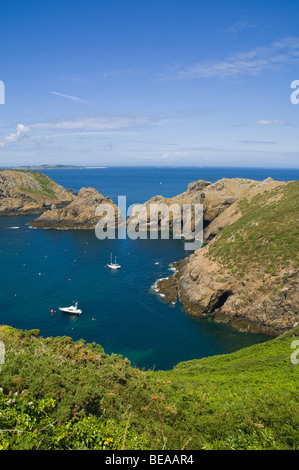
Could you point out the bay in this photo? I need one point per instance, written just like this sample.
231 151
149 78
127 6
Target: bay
42 270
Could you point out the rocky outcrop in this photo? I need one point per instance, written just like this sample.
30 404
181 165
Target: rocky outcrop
204 291
215 198
79 214
29 192
247 273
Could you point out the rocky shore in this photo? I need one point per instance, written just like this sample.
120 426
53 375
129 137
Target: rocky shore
247 273
79 214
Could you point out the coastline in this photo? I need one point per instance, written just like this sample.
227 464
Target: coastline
197 296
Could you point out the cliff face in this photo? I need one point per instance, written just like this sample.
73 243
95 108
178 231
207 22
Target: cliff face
29 192
215 198
247 274
79 214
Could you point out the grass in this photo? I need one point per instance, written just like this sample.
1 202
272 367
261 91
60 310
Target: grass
244 400
44 181
266 234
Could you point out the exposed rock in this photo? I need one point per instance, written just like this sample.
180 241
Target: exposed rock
204 291
258 292
215 198
79 214
29 192
167 289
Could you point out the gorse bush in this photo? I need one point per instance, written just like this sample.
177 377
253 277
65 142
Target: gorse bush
27 424
60 394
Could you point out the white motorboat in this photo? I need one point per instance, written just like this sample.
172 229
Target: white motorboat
72 309
114 265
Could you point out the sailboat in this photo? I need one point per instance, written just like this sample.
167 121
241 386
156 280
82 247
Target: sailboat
114 265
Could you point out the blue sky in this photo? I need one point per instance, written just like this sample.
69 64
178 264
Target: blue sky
149 82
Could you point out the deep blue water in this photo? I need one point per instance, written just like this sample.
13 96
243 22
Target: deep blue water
44 269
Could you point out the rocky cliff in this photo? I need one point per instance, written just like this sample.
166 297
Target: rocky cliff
29 192
215 198
247 273
79 214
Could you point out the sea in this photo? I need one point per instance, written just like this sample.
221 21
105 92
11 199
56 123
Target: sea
42 270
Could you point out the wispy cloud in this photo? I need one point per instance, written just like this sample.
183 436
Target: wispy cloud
72 98
20 134
255 142
85 126
253 62
103 123
275 122
265 122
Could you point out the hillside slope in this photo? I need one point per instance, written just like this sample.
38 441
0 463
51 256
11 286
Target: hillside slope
247 274
60 394
29 192
215 198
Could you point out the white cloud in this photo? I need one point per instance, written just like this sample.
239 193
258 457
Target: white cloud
72 98
265 122
20 134
102 123
251 62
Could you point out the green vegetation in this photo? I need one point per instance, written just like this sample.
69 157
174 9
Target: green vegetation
44 181
60 394
265 235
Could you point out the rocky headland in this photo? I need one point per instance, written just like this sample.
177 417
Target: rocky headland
79 214
215 198
246 274
29 192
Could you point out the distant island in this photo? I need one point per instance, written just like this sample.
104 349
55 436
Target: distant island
47 167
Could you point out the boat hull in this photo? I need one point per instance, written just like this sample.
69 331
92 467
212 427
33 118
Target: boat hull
111 266
71 312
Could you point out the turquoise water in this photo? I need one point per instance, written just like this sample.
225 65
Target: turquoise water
44 269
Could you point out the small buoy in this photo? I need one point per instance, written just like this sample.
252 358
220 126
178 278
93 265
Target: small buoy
52 311
69 279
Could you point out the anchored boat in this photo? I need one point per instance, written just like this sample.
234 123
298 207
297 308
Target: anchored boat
72 309
114 265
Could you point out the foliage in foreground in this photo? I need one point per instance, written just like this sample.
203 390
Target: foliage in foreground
60 394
